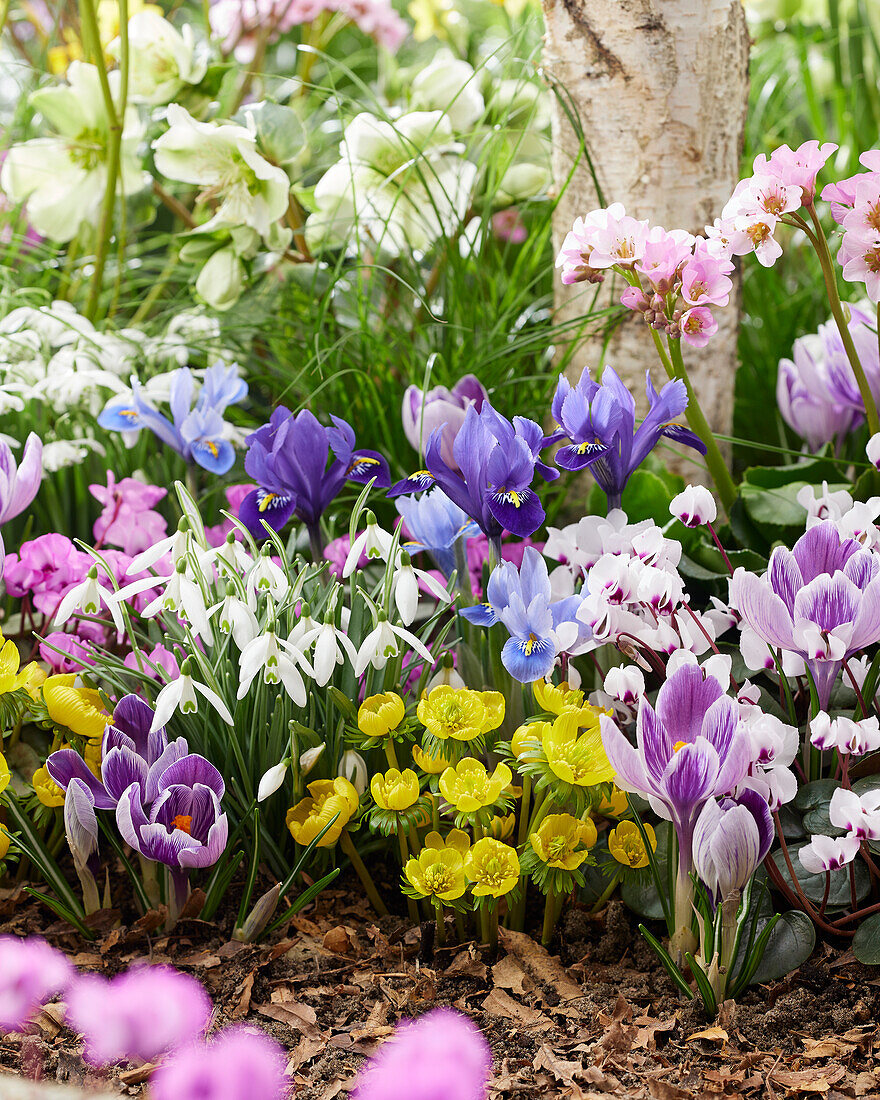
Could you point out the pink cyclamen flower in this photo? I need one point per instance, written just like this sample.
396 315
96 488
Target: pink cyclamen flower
44 569
31 972
140 1014
160 657
440 1056
508 225
239 1063
698 326
128 519
844 734
78 649
796 167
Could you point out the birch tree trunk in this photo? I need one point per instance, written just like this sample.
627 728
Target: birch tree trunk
661 89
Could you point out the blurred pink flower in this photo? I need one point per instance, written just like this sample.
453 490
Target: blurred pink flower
160 656
235 494
239 1063
128 520
44 569
508 225
30 973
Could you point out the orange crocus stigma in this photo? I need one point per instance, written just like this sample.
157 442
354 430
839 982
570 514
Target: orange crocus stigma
182 822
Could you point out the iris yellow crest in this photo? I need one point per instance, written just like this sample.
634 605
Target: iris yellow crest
469 787
492 867
563 841
625 843
395 790
328 797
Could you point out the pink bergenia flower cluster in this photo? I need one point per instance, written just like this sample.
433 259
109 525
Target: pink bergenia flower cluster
855 205
676 278
240 22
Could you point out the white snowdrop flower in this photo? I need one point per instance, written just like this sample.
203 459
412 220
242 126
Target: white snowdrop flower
447 675
405 587
331 647
89 597
310 758
352 767
62 453
271 781
236 616
268 654
267 576
180 694
383 642
373 542
183 596
174 545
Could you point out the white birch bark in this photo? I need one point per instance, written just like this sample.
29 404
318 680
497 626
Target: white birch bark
661 89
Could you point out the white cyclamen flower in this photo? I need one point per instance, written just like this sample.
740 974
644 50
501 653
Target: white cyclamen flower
63 178
222 158
694 507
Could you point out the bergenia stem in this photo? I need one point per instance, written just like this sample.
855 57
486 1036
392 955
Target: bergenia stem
824 254
115 120
714 459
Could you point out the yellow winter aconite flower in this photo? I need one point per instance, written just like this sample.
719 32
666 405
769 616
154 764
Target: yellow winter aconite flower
433 765
626 845
437 873
5 774
574 756
78 708
457 839
380 714
48 791
460 713
469 787
615 804
309 816
395 790
4 842
432 18
556 698
12 676
60 57
501 827
563 841
492 867
527 736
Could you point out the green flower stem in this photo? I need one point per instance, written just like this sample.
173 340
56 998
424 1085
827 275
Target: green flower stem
115 121
607 892
517 912
435 813
492 926
390 754
346 844
820 243
411 906
541 812
714 459
550 914
441 927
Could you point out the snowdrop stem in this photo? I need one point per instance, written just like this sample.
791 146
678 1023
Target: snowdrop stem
697 420
347 845
820 243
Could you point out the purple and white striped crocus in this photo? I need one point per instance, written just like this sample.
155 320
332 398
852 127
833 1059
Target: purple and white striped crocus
691 748
731 839
820 600
185 827
424 411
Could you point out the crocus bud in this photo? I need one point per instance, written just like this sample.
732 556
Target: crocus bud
353 767
272 780
626 684
731 838
424 412
310 758
873 450
694 507
262 912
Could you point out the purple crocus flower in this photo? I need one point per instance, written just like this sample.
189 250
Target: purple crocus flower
240 1063
496 462
140 1014
440 1056
731 839
185 827
30 973
424 411
129 754
18 483
288 460
600 422
820 600
197 432
690 748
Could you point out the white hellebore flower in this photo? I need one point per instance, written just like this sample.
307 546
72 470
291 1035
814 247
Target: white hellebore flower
271 781
63 178
163 60
401 186
383 642
222 158
180 694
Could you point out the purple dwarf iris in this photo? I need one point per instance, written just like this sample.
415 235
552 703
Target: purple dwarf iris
731 839
600 420
197 432
435 524
185 827
496 462
540 627
425 411
18 483
129 754
820 600
690 749
288 460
